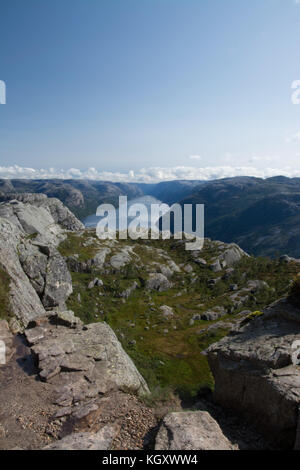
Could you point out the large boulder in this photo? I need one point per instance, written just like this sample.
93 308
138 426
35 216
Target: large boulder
195 430
100 257
232 255
256 372
122 258
159 282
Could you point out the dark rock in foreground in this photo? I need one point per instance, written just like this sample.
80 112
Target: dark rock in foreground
255 372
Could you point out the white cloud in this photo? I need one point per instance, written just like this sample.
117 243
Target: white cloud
262 158
195 157
148 175
293 137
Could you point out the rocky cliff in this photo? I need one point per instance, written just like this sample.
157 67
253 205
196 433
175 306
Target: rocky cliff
30 232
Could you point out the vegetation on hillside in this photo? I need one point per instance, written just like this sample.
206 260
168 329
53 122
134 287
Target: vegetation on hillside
169 351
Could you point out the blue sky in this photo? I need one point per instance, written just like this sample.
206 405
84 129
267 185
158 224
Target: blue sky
125 85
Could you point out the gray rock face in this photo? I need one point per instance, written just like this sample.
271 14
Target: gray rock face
34 263
28 239
82 361
255 373
232 255
120 260
100 257
191 431
27 218
48 274
58 284
24 301
101 440
60 213
159 282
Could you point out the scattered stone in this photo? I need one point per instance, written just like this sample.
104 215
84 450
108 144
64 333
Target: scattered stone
159 282
200 262
95 282
216 266
167 311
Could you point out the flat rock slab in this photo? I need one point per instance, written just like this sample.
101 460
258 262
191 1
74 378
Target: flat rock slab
87 441
82 361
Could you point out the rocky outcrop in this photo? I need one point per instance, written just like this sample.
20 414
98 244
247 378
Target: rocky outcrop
191 431
120 259
58 281
81 361
47 272
25 303
60 213
232 255
229 256
36 222
39 276
256 372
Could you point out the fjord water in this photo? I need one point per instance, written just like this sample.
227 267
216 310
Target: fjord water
92 220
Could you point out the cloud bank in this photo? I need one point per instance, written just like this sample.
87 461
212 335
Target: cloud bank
146 175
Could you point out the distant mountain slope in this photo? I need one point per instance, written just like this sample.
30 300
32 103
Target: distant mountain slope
80 196
171 191
262 216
